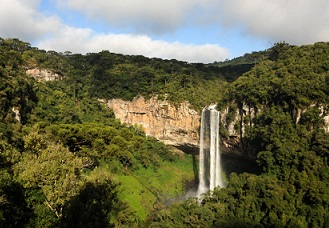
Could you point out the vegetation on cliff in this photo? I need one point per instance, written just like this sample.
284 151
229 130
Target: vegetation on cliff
66 162
291 148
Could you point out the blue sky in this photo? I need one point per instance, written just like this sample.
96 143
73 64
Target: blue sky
188 30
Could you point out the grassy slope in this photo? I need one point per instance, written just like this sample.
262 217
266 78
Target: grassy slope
146 189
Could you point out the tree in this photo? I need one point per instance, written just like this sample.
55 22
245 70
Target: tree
13 207
97 204
54 169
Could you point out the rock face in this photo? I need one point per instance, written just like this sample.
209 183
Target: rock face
43 74
173 125
234 122
326 121
17 113
179 125
232 144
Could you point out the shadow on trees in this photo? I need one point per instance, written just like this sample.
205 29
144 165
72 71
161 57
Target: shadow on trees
14 210
93 207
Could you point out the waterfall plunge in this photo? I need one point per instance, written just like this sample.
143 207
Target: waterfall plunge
209 164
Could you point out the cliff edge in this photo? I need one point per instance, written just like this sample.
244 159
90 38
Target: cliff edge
176 125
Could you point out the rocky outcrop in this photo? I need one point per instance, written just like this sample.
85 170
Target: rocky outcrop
179 125
235 122
324 112
17 113
326 121
230 120
176 125
43 75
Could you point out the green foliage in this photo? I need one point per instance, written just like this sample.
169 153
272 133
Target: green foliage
14 211
107 75
97 141
66 162
41 215
56 171
8 155
296 79
48 157
97 204
289 91
57 105
118 76
234 68
248 201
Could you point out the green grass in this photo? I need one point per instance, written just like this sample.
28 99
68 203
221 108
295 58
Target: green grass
143 189
136 196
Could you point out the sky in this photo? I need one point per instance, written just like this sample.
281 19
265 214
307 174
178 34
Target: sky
187 30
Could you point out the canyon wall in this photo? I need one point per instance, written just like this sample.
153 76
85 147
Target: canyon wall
176 125
234 122
179 125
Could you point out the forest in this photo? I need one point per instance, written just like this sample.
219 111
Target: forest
65 161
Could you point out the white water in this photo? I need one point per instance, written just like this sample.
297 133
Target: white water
209 160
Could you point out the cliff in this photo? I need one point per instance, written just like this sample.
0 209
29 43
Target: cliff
42 75
174 125
234 123
179 125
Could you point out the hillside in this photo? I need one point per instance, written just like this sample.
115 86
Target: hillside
59 145
232 69
62 152
280 107
66 161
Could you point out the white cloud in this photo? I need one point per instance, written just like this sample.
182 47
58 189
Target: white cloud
85 40
294 21
21 19
143 15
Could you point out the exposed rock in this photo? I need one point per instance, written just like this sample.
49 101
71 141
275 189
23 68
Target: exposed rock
232 146
228 124
173 125
326 121
179 125
236 121
325 114
43 74
17 114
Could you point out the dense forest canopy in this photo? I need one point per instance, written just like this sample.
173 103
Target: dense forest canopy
289 92
108 75
66 162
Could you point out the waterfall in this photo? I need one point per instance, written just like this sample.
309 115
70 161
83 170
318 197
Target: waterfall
209 160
